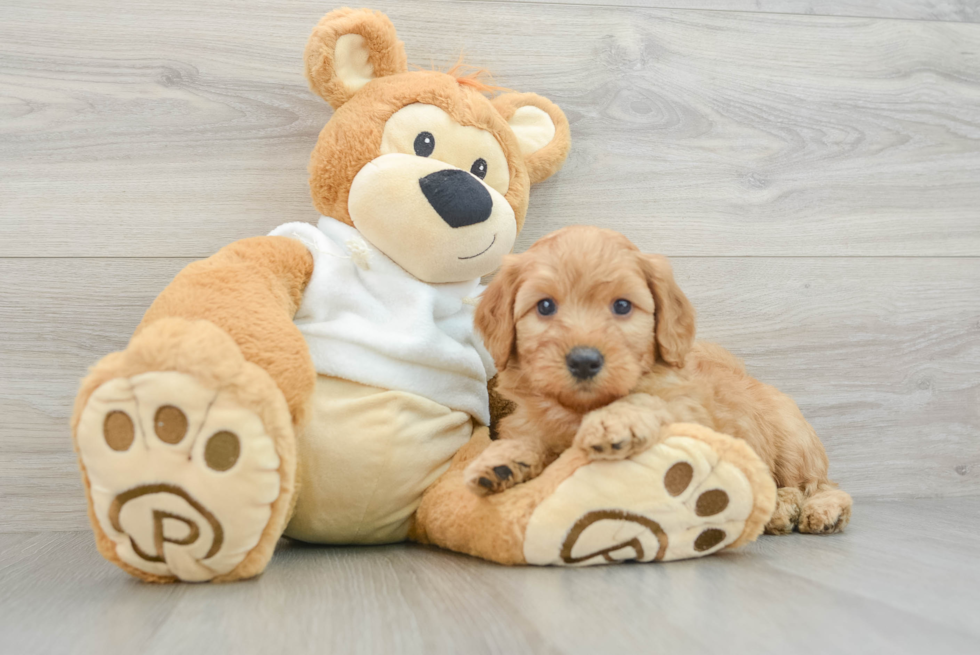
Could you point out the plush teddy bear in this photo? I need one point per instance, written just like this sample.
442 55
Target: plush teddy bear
325 382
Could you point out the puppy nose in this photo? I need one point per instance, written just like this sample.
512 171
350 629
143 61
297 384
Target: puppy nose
458 197
584 363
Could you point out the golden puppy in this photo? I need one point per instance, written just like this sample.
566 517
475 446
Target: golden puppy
594 343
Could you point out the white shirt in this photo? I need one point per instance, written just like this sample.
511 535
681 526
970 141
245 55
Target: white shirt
368 320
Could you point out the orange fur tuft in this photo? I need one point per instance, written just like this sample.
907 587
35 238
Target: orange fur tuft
474 77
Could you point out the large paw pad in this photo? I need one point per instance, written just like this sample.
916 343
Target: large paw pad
677 500
182 477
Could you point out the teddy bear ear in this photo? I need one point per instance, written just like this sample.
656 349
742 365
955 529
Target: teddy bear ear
542 131
348 49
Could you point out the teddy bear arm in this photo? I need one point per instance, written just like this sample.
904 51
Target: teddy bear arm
251 289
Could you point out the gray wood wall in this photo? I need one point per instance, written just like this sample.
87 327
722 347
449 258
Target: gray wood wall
812 168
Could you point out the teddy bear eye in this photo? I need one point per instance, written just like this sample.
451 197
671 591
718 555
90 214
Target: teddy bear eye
425 143
622 307
547 307
479 168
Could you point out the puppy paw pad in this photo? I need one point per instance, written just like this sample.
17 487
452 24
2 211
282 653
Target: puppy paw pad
498 468
503 472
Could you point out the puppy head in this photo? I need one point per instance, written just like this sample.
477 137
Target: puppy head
430 169
582 315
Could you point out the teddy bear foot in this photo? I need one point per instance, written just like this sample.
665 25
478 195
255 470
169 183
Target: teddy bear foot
693 494
187 454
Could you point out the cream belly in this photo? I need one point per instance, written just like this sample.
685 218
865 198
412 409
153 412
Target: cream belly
364 459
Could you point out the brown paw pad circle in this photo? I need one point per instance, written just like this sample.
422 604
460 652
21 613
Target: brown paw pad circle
678 478
118 430
222 450
170 424
711 502
708 539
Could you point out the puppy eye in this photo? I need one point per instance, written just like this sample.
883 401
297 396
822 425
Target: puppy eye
479 168
547 307
425 143
622 307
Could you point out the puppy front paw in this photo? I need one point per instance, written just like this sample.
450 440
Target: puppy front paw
501 466
617 431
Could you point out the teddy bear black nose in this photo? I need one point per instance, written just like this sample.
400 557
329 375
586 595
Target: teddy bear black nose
584 363
457 197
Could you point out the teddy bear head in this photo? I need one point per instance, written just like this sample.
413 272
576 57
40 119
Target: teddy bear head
426 165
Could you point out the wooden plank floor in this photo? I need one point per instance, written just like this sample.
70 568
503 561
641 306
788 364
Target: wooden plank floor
905 579
945 10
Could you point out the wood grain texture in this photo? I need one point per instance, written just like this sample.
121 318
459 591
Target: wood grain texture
944 10
882 355
903 579
169 129
814 177
57 318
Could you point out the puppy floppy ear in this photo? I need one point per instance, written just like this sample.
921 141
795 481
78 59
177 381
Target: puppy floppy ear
494 317
675 326
348 49
542 132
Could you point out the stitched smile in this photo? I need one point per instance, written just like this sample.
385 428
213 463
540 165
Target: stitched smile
482 251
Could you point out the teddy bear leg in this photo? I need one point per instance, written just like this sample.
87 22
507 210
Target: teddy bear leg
692 494
185 439
187 455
